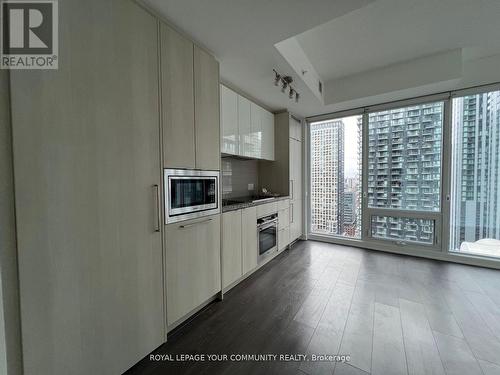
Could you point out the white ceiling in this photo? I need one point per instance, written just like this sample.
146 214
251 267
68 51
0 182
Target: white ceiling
392 31
344 40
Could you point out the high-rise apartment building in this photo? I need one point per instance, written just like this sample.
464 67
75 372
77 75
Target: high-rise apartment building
349 224
404 166
327 177
476 168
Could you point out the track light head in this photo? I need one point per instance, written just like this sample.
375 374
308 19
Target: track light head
285 85
290 93
297 97
277 78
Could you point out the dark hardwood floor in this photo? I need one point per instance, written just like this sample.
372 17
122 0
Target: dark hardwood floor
392 314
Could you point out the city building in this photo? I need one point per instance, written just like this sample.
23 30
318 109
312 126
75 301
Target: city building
349 224
404 166
476 161
327 177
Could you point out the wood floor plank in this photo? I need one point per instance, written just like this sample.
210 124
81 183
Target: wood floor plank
358 336
478 334
336 311
489 368
388 348
347 369
322 342
421 351
456 355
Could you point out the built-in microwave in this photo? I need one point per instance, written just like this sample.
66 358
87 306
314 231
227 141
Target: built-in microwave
190 194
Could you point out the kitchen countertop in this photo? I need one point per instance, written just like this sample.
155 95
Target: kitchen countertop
239 203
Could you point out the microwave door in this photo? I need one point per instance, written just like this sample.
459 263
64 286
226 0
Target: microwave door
190 194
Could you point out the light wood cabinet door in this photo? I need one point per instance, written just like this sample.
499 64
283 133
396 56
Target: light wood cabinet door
295 189
267 135
295 219
283 238
246 137
284 218
86 158
296 168
206 110
177 108
267 209
229 121
249 238
231 247
295 129
193 264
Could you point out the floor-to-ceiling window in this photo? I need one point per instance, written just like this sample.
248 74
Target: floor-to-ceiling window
421 174
475 179
403 167
335 177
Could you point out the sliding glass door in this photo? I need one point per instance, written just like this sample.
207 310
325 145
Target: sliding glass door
475 179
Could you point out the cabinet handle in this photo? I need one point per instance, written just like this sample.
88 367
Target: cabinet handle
291 189
184 226
156 200
291 207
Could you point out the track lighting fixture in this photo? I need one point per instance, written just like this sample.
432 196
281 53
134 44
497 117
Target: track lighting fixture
286 83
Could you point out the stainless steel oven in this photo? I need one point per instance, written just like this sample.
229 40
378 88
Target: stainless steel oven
267 229
190 194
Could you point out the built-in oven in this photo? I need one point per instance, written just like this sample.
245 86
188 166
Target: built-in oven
190 194
267 229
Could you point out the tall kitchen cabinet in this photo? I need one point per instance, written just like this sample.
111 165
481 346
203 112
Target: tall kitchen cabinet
190 103
284 175
191 139
295 190
87 170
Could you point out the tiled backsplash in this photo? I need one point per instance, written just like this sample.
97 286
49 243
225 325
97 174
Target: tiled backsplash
237 174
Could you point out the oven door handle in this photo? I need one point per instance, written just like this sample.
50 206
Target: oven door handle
268 224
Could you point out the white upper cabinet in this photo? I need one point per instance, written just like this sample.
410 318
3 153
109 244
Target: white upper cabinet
244 126
267 122
252 133
229 121
256 126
